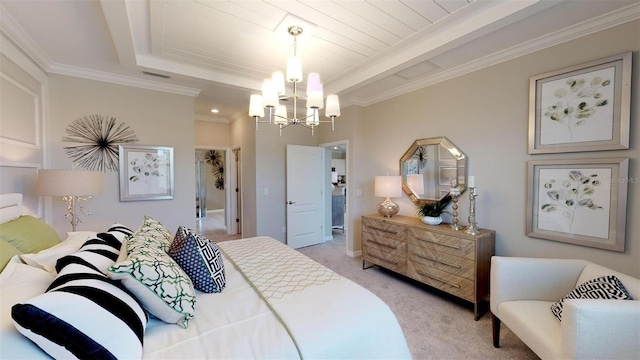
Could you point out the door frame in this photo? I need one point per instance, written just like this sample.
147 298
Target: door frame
349 197
227 192
235 177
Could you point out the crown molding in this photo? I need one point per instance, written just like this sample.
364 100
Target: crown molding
83 73
22 40
588 27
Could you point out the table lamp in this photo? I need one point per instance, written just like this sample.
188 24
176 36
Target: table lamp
388 186
73 186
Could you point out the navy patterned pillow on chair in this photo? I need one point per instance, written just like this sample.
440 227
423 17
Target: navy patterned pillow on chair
605 287
200 258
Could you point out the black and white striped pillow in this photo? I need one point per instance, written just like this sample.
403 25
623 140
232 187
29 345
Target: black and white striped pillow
83 313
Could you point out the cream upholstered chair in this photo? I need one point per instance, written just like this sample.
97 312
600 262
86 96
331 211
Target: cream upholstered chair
523 290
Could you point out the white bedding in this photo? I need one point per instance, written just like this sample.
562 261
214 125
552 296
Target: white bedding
328 319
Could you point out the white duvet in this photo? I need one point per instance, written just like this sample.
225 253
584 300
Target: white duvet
325 317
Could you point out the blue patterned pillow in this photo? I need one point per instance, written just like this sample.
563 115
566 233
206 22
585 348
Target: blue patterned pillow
605 287
200 258
84 314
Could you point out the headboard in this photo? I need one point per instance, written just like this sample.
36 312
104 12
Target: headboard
10 207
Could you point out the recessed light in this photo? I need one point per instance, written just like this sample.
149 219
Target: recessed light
215 111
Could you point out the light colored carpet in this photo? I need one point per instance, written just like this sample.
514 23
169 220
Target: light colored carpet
435 326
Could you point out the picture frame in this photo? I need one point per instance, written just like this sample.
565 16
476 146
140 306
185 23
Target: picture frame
146 172
581 108
581 202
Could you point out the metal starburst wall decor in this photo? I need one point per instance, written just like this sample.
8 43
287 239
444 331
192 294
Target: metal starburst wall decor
99 137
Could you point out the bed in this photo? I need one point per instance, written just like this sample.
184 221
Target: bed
273 302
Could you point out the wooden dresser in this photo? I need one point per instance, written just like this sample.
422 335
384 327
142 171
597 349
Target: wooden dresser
452 261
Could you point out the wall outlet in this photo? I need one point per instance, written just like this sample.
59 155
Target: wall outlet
266 192
284 229
358 192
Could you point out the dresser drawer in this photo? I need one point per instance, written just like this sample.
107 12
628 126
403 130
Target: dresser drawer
455 285
383 229
442 261
385 259
442 243
383 244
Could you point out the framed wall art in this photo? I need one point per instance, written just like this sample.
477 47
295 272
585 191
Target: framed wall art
580 202
146 172
581 108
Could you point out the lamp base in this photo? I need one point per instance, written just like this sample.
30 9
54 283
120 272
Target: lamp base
388 208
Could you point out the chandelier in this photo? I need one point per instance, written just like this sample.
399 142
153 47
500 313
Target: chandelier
273 90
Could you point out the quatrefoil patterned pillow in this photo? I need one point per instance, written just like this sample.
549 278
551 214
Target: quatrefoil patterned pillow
200 258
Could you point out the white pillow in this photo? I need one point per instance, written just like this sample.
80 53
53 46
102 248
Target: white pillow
47 258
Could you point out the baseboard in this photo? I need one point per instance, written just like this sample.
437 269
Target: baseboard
354 254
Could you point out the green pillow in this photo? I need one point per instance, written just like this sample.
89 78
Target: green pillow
7 251
29 234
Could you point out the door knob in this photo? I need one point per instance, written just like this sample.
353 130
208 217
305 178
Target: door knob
291 202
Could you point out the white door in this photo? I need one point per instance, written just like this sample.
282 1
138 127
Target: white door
304 195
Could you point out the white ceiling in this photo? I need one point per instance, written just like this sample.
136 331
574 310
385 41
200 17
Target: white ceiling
221 51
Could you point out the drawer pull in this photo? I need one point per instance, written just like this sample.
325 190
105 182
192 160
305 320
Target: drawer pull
437 243
383 244
440 280
385 260
383 230
438 261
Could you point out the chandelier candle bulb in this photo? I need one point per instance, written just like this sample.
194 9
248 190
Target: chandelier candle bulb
313 82
278 80
255 106
314 99
281 115
269 94
333 106
294 69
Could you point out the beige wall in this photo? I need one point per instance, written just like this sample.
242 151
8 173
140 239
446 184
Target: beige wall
209 133
485 114
157 118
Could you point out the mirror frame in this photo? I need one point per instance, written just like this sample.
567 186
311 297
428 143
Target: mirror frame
461 162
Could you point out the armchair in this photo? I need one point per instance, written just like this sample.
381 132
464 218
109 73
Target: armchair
523 290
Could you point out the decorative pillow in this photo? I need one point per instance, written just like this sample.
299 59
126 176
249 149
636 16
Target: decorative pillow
157 281
47 258
605 287
154 234
83 313
29 234
200 258
7 251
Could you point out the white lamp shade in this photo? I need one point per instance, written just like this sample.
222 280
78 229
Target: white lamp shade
313 82
388 186
69 182
255 106
333 106
269 94
294 69
416 183
314 99
278 82
281 115
312 117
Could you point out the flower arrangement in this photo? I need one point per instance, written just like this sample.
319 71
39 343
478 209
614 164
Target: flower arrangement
433 209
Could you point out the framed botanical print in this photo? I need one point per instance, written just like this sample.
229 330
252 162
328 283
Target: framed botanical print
581 108
146 172
580 202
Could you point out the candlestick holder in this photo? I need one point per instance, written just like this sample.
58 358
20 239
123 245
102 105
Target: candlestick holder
454 192
472 229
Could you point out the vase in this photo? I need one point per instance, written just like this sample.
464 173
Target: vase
432 220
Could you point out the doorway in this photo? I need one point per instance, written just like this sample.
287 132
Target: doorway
336 200
212 192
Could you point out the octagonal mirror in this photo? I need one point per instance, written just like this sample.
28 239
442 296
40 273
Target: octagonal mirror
431 167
